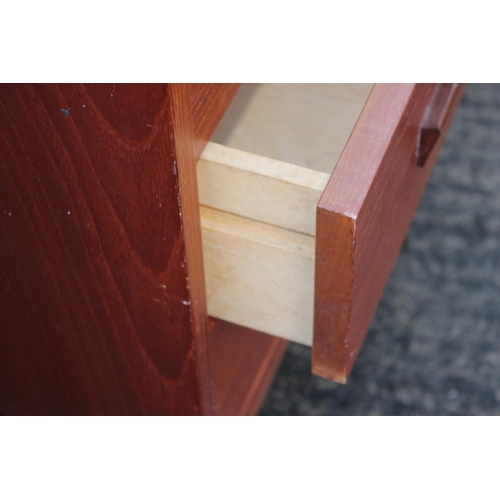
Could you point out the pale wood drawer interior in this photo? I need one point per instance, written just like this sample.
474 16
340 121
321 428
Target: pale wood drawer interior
259 181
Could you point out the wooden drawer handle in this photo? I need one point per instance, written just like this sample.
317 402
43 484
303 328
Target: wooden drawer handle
434 118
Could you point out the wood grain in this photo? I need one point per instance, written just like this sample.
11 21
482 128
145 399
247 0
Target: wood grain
434 120
98 252
244 362
258 219
363 216
258 275
259 188
209 102
184 140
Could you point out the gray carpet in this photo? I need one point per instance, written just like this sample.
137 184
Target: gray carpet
434 345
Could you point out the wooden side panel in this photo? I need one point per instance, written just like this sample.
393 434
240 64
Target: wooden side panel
97 252
259 276
244 362
260 188
364 214
189 213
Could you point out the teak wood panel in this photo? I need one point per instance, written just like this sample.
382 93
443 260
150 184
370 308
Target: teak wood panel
244 362
100 242
209 102
102 307
366 209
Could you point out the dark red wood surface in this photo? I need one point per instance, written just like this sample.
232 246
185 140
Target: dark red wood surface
435 119
364 214
96 312
209 102
243 364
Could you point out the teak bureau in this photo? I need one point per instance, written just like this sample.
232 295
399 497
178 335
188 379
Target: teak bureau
124 229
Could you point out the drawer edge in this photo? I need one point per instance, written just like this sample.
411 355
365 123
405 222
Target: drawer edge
353 266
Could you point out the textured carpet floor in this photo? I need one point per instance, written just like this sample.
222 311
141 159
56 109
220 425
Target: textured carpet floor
434 345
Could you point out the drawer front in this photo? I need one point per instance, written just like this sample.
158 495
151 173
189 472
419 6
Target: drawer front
366 209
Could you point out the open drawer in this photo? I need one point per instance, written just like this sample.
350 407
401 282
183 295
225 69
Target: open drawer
306 194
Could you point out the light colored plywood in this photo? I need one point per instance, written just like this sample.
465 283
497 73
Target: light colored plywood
259 276
260 188
302 124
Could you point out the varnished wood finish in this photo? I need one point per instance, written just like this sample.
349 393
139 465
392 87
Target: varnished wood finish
363 216
244 362
209 102
184 139
435 118
101 293
102 306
